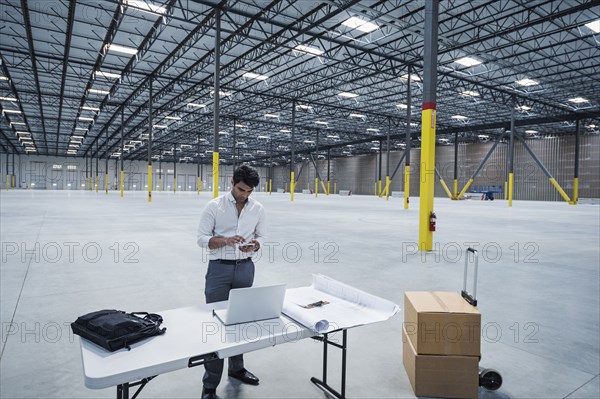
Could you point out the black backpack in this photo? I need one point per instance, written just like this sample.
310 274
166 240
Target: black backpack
115 329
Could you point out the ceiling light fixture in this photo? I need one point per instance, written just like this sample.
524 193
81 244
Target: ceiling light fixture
304 107
96 91
173 118
346 94
271 116
308 50
121 49
159 126
522 108
11 111
109 75
470 93
402 106
321 123
252 75
91 108
8 99
194 105
85 118
594 25
360 24
146 6
358 116
527 82
413 77
468 61
578 100
370 129
459 117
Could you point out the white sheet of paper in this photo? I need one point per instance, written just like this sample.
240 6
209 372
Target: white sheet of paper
347 307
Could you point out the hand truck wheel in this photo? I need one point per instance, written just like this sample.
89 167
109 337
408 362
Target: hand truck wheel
490 379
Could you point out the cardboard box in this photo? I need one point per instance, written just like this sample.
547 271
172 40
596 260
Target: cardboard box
442 323
440 376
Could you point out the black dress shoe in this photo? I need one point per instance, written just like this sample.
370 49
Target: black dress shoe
209 393
245 376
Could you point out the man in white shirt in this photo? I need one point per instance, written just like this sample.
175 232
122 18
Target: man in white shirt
232 227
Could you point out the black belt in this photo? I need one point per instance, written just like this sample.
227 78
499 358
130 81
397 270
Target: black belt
233 261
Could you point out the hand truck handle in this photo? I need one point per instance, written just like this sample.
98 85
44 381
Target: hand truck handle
470 298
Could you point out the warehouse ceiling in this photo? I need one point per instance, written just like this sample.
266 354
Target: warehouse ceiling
326 78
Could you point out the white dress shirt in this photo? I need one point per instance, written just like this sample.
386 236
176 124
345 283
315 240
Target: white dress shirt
220 219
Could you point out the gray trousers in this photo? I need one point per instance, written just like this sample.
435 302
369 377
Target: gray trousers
220 278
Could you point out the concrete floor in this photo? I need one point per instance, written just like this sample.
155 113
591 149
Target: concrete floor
68 253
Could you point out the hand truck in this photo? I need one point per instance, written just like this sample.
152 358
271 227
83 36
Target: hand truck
490 379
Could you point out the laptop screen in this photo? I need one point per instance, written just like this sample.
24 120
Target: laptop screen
253 304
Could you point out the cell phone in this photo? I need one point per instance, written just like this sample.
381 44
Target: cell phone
247 245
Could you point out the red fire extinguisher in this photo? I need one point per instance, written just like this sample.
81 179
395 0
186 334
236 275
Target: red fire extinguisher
432 218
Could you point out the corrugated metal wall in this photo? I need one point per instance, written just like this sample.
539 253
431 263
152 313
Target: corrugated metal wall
359 174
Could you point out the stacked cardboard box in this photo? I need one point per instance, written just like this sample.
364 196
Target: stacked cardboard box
441 344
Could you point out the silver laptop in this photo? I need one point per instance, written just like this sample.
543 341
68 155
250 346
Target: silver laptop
252 304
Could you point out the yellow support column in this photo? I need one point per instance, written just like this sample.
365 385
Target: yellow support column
122 182
560 190
174 184
387 188
505 190
14 181
510 188
97 183
455 189
446 189
270 186
427 175
6 182
328 187
198 184
335 187
149 182
292 187
106 184
465 188
575 190
379 192
215 174
406 185
316 186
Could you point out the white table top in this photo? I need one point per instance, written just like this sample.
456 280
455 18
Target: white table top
191 331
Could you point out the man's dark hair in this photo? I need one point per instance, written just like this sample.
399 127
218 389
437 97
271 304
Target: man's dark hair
246 174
